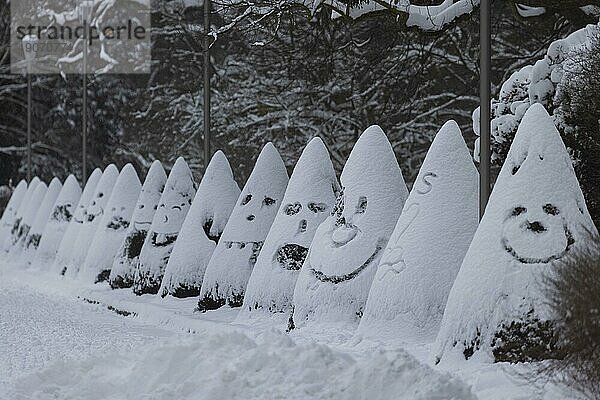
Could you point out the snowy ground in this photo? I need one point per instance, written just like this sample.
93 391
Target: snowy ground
56 345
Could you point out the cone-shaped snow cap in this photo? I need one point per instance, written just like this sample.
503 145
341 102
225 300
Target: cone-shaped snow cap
93 214
121 274
113 226
201 230
10 213
41 219
309 199
28 218
536 215
59 220
230 267
64 255
174 205
13 237
414 277
334 281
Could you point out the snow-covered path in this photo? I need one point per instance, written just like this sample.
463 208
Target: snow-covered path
37 329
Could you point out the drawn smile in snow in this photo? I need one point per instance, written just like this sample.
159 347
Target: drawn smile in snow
536 236
343 233
291 256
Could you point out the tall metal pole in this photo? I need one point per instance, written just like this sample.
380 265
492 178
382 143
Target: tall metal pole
84 111
29 172
485 95
207 152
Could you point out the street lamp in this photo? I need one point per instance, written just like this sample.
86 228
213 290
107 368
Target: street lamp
485 96
206 83
30 47
85 14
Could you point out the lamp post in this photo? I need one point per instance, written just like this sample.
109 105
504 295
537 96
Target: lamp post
206 83
485 95
29 49
85 14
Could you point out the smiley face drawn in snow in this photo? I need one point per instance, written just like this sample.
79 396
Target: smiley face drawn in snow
291 256
344 232
167 216
254 208
536 235
95 210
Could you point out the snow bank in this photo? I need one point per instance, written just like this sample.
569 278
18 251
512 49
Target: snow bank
235 366
121 274
230 267
201 230
174 205
59 220
10 213
113 226
41 219
334 281
419 265
93 214
33 205
13 237
65 249
308 200
536 215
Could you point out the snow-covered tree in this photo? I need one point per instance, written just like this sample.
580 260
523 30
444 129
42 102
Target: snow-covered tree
234 258
536 215
335 278
173 207
10 212
125 262
308 200
418 267
15 231
201 230
37 197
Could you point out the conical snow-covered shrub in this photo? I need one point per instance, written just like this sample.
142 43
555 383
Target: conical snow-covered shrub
419 265
308 200
32 241
58 222
200 233
113 226
126 259
174 205
15 231
536 215
28 219
335 278
65 249
10 213
230 266
93 215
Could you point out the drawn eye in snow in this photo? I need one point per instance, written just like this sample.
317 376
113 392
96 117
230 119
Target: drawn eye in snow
536 235
292 209
317 207
247 198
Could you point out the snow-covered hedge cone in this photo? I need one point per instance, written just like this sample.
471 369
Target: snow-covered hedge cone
28 219
93 214
334 281
65 249
60 217
113 226
232 262
174 205
308 200
419 265
10 213
15 230
42 216
535 216
202 229
125 261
